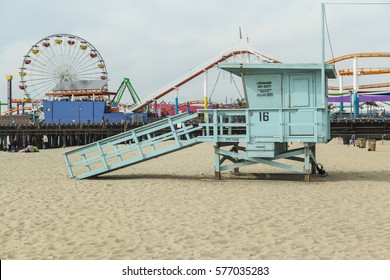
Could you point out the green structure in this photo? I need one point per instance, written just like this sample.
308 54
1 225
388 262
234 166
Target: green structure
126 84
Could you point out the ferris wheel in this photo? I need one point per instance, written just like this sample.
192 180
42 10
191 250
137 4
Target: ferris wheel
58 58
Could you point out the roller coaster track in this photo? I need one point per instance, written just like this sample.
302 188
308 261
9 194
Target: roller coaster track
200 70
381 85
13 110
358 55
198 102
364 71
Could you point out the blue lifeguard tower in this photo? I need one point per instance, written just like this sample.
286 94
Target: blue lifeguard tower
287 103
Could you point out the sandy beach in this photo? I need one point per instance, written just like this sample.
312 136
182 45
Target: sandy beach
172 208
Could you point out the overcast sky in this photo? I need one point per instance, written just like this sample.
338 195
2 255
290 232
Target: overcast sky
155 42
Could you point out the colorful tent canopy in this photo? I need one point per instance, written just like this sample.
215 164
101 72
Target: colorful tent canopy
362 98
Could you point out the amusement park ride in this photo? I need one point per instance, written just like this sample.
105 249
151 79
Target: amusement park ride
58 66
58 59
355 94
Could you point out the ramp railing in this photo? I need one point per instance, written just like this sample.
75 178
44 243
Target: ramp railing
131 147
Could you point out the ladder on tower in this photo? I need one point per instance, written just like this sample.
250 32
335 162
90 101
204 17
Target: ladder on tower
133 146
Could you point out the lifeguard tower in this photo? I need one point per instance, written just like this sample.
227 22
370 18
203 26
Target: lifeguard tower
286 103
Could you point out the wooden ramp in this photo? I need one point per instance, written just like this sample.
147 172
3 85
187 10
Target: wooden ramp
131 147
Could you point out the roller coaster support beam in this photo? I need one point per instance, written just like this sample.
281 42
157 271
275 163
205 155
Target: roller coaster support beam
341 91
205 87
177 102
9 92
355 89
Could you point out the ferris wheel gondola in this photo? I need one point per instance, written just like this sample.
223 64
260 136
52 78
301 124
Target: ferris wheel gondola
58 58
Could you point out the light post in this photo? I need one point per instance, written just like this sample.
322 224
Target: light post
80 107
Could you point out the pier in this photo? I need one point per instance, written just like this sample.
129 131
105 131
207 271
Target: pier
66 135
62 135
369 128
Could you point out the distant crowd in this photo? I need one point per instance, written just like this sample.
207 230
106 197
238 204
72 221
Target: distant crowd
13 146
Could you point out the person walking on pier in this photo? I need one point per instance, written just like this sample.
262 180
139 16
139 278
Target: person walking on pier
45 141
352 141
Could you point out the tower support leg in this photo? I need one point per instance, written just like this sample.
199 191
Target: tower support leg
309 160
236 170
313 159
217 162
